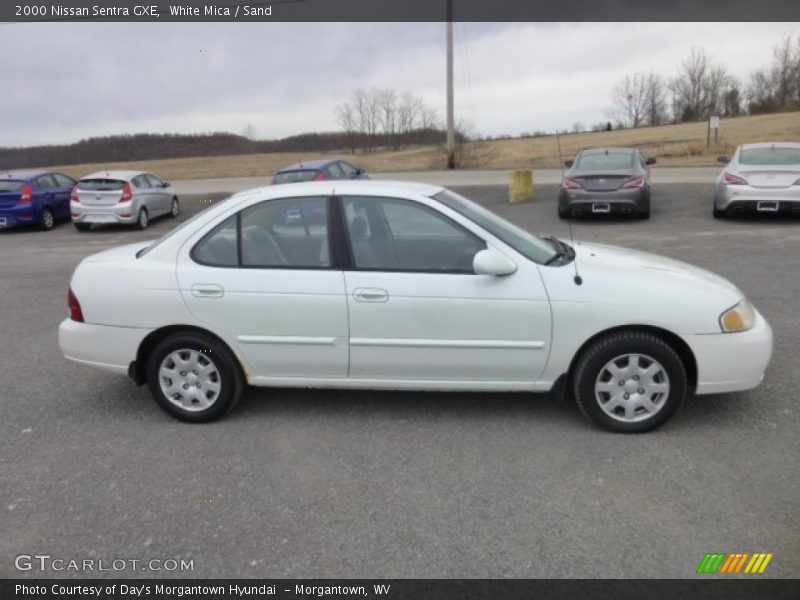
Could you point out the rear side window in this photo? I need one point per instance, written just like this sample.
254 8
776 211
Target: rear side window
10 185
295 176
778 155
63 180
101 185
612 161
219 248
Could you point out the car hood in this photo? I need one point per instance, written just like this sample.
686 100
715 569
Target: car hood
118 253
633 287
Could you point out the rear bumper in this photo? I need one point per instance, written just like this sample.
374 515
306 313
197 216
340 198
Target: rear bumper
743 198
117 213
18 215
100 346
731 362
618 201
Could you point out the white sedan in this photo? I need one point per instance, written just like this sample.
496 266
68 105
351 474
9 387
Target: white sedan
385 285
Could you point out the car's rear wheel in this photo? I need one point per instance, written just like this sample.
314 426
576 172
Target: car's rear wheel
47 221
563 213
194 377
629 382
82 226
142 219
175 208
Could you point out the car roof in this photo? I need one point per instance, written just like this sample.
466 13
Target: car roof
770 145
123 175
24 174
350 187
309 165
610 150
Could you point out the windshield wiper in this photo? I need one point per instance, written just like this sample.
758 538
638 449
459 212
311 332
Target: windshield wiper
562 251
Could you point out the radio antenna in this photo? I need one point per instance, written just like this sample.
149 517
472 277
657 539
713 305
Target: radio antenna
577 279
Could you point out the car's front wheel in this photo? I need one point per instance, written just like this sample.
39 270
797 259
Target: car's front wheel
719 214
194 377
629 382
175 208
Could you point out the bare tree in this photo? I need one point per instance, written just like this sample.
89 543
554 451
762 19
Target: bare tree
777 87
698 88
428 117
408 112
630 100
345 115
578 127
655 100
249 131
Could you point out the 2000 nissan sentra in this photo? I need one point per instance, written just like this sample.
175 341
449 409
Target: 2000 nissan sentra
405 286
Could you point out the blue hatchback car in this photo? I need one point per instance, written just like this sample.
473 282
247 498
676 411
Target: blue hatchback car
319 170
38 198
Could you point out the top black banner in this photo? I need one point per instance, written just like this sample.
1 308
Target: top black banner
401 10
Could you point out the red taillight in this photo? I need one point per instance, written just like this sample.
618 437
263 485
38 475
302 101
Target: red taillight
637 182
75 312
73 197
320 176
729 179
27 194
571 184
127 193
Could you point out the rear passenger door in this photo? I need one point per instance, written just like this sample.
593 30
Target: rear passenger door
158 193
265 281
64 185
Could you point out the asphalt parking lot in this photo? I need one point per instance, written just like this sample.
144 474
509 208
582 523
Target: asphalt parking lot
299 483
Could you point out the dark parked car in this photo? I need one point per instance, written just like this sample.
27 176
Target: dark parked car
319 170
37 198
606 181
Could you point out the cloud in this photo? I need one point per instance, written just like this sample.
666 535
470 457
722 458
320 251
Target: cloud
66 81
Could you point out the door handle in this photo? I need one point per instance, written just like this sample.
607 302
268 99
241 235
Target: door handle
207 290
370 295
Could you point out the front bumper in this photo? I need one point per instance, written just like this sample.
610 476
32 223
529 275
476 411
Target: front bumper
622 201
101 346
743 198
116 213
731 362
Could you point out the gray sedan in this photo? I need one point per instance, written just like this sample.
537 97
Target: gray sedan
605 181
763 178
121 197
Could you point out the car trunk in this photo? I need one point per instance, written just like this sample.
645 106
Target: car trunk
100 192
769 177
602 181
10 192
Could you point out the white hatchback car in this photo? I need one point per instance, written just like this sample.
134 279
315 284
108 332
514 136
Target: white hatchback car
387 285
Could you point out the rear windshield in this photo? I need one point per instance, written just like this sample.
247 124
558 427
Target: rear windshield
612 161
295 176
777 155
10 185
101 185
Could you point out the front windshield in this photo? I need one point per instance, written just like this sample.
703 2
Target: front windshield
527 244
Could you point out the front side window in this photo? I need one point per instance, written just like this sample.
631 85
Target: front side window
388 234
348 169
334 171
286 233
155 182
46 182
63 180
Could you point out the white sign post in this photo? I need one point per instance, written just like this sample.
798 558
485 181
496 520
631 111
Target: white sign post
713 123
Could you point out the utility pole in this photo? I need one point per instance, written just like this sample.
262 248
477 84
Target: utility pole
451 134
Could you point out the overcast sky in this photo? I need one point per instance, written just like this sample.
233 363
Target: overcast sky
61 82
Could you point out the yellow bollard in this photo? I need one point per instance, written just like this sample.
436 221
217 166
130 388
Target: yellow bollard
520 187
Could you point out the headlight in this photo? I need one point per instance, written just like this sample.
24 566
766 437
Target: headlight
739 318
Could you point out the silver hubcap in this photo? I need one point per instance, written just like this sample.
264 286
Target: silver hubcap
48 219
142 219
175 208
190 380
632 387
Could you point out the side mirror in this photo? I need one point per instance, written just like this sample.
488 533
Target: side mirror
650 161
568 163
723 159
491 262
165 184
359 171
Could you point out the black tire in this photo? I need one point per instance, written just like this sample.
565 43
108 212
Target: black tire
82 226
47 220
644 209
593 361
229 376
563 213
175 207
142 219
719 214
